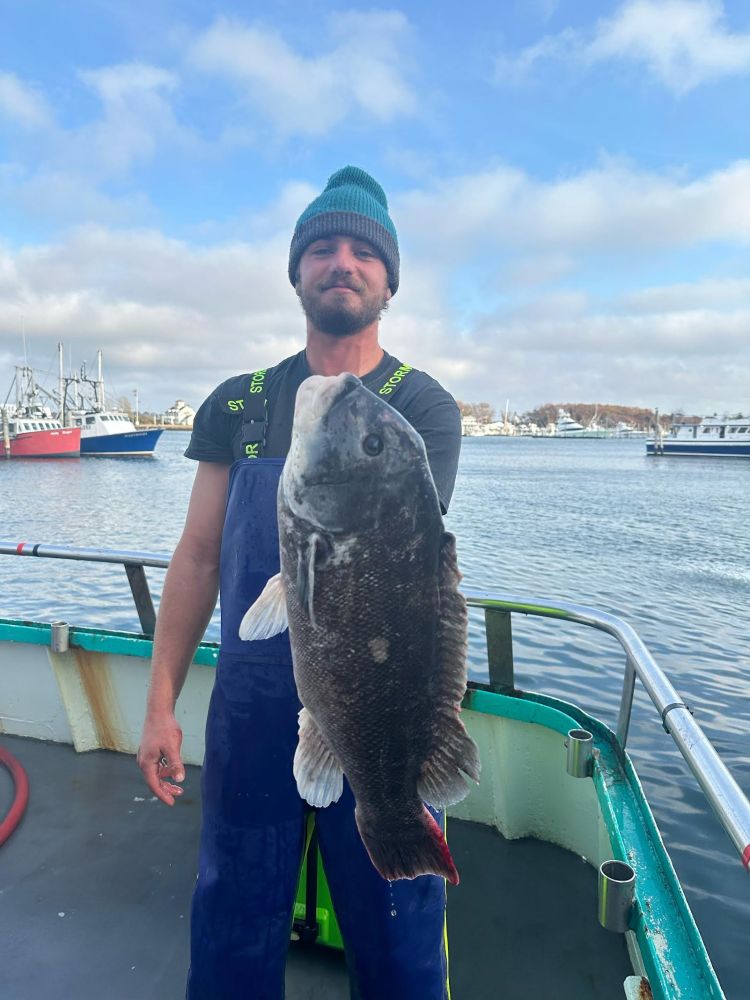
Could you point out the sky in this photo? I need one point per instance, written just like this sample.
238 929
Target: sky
569 179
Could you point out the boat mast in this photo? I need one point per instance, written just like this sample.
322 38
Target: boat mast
99 381
61 387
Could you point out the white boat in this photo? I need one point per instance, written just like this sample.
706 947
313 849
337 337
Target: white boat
722 437
556 846
567 427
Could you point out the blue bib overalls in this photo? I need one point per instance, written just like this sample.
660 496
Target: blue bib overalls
254 819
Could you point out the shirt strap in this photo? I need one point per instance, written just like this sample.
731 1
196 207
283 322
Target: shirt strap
394 381
255 415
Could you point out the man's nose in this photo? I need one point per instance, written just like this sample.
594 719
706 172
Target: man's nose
342 259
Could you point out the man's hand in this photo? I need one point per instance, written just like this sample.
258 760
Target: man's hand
159 756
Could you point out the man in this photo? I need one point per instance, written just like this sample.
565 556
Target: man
344 266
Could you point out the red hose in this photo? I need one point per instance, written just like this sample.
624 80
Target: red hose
18 807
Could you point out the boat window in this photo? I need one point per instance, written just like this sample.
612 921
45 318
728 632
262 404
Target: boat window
12 428
90 420
742 430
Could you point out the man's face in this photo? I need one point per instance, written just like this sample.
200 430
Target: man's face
342 284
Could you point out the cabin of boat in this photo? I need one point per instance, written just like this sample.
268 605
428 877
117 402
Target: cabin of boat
723 436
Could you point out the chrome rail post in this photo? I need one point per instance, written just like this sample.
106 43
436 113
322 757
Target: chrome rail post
499 649
142 597
626 702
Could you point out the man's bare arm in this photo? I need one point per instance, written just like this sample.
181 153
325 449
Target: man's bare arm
187 603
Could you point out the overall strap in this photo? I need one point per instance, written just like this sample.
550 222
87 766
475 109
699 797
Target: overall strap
394 381
255 416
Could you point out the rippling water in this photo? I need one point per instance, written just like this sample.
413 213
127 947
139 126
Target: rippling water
663 543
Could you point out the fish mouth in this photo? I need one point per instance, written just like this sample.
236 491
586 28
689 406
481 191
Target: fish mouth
319 394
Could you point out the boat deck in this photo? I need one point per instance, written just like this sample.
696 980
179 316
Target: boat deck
96 884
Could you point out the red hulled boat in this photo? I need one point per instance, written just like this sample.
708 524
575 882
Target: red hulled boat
39 437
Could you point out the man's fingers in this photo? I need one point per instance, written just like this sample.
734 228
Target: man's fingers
170 769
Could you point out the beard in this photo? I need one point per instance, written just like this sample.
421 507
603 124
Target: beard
343 315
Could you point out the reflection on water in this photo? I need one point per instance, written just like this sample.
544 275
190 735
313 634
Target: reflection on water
663 543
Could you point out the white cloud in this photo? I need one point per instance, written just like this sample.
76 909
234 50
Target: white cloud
137 117
362 73
683 43
611 210
22 104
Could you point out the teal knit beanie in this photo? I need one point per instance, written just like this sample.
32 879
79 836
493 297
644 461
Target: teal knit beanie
352 204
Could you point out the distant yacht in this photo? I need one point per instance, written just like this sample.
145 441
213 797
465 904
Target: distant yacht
567 427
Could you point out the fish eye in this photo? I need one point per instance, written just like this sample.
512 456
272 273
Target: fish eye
372 444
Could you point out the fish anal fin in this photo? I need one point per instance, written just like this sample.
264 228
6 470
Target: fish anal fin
268 615
442 782
320 780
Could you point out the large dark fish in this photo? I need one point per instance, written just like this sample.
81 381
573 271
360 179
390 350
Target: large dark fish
369 588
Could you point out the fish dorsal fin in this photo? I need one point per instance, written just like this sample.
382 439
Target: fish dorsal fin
309 558
320 780
442 783
268 616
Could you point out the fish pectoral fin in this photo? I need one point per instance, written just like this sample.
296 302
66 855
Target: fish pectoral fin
441 782
320 780
306 564
268 615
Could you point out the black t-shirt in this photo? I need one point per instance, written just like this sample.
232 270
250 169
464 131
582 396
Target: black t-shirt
432 412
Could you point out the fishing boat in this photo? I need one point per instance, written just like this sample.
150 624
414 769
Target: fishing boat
27 426
112 432
566 886
104 431
717 437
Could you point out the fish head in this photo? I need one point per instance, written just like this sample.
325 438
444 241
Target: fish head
350 457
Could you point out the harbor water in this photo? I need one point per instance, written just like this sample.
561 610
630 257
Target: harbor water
663 543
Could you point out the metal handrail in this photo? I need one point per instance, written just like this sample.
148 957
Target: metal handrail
724 795
726 798
134 563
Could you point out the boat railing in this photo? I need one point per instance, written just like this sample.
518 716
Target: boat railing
726 798
134 563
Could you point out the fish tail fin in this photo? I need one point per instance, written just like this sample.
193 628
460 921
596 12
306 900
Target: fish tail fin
417 849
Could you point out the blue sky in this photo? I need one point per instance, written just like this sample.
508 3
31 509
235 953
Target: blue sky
570 182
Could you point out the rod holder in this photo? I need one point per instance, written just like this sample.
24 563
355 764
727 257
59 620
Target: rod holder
59 637
616 895
580 744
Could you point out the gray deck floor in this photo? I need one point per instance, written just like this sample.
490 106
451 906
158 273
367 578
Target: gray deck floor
95 890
